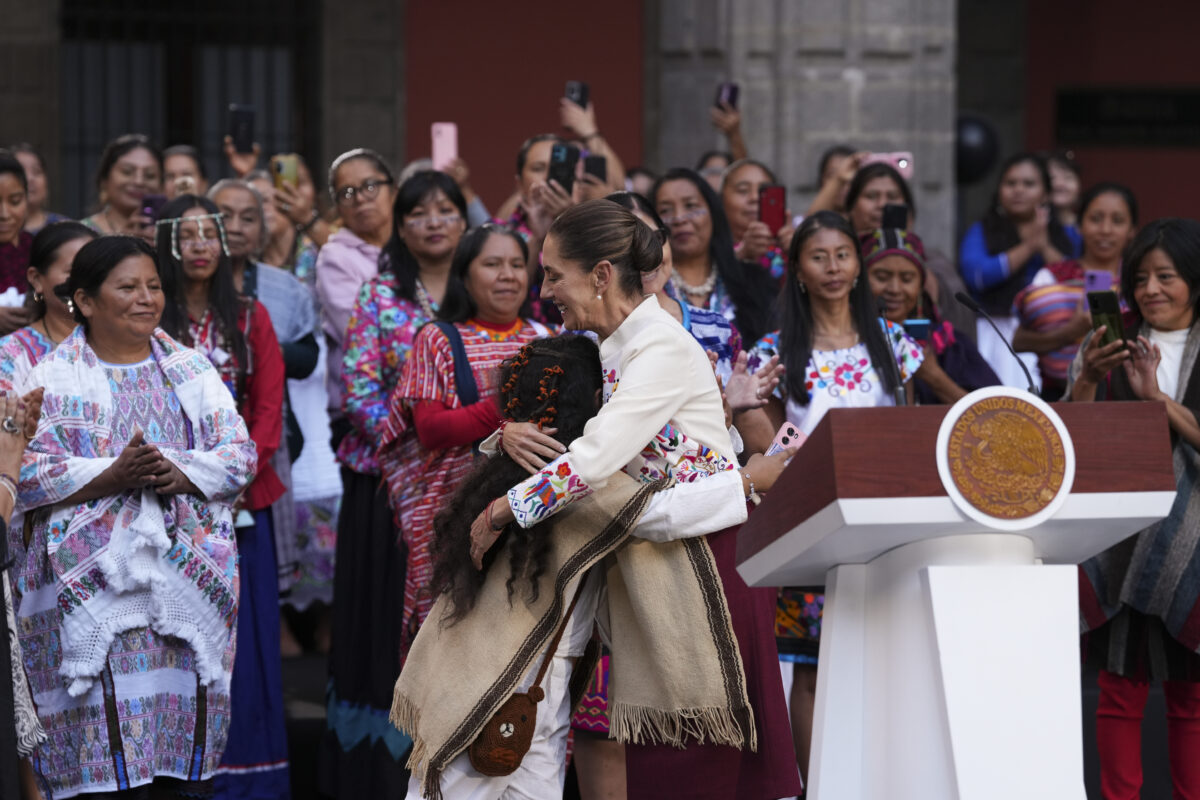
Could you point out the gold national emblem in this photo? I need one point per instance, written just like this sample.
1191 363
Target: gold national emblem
1006 457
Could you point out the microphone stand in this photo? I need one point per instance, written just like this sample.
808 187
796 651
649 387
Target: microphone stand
970 303
893 369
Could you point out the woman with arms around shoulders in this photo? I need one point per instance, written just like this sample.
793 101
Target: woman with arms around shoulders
663 417
127 489
445 399
1137 599
204 310
836 353
1053 308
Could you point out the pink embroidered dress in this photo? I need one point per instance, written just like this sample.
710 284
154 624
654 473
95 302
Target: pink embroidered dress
420 478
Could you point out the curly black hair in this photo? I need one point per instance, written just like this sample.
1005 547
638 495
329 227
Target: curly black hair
555 382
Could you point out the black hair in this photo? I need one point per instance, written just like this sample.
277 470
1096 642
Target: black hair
190 152
725 154
1108 187
527 145
120 146
635 202
223 297
1064 158
598 230
395 257
9 165
879 170
749 286
44 251
457 304
1000 232
1180 240
796 318
364 153
556 378
837 151
93 263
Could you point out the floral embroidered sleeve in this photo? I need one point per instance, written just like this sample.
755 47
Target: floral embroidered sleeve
364 396
909 354
648 396
763 351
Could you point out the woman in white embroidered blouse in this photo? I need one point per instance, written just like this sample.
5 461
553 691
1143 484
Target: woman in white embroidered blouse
666 419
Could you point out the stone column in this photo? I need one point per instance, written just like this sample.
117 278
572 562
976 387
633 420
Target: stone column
362 78
875 74
29 79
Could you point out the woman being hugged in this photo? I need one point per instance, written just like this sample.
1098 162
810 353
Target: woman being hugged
204 310
445 400
837 353
429 217
1136 598
663 417
128 487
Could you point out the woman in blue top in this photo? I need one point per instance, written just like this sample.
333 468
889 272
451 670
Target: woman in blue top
1002 252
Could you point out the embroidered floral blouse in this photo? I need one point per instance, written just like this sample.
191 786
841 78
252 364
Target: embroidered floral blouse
662 416
380 336
843 378
20 352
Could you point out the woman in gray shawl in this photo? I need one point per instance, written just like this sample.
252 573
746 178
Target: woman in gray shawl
1140 600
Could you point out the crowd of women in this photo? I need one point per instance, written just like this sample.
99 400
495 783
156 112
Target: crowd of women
254 419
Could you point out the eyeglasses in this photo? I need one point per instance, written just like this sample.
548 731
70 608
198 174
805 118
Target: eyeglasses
692 214
418 223
368 191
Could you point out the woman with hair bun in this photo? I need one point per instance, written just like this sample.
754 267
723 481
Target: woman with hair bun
663 417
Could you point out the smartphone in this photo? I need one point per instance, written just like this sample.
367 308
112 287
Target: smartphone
563 158
596 166
285 168
445 144
918 329
901 161
788 438
1106 310
727 94
577 92
772 211
152 204
1097 280
241 127
895 216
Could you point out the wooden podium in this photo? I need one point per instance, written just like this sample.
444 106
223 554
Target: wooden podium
949 661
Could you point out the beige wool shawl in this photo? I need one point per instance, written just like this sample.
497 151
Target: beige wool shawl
677 675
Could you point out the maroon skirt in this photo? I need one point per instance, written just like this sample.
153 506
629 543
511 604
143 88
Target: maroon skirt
718 771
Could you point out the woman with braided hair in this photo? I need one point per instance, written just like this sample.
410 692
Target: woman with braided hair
497 626
444 401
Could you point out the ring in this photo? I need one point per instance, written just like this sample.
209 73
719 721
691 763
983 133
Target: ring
10 425
286 206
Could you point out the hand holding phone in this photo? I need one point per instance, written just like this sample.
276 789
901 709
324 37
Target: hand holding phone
901 161
1106 311
918 329
241 127
285 168
772 211
727 95
578 93
1097 280
788 438
563 158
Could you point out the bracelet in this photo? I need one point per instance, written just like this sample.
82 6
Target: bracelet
306 227
488 518
592 135
9 485
754 496
500 440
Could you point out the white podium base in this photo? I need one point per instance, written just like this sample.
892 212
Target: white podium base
949 670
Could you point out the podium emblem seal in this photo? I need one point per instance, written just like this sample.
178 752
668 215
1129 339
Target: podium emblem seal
1005 458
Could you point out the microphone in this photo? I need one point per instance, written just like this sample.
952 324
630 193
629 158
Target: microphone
893 369
970 303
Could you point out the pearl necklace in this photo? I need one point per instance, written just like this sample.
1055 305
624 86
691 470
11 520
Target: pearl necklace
703 290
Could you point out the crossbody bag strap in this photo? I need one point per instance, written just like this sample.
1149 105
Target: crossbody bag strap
464 379
558 634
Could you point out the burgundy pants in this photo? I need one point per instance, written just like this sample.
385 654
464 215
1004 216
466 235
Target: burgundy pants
1119 736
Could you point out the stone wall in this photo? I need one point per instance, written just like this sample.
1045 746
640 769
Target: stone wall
29 78
876 74
362 78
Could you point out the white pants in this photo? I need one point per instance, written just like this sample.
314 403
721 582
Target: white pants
544 768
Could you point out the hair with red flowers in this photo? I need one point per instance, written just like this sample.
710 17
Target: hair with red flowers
553 383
